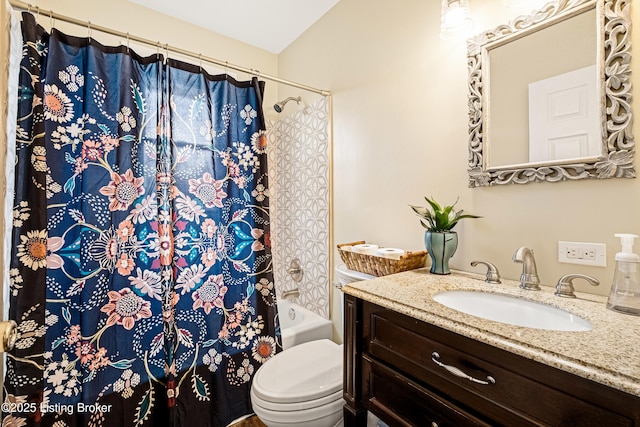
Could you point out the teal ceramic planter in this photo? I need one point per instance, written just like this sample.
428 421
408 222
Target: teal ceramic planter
441 247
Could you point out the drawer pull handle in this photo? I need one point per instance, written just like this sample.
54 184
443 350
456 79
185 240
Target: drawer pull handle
458 373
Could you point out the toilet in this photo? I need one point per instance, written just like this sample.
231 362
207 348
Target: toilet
302 386
346 276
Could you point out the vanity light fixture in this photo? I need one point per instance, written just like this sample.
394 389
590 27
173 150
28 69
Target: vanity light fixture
455 20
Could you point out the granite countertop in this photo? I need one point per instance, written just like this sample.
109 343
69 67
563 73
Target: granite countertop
608 354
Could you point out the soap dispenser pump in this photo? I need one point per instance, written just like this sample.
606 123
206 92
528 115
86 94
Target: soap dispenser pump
625 291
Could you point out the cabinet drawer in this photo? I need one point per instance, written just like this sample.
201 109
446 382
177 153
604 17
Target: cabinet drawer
524 392
395 397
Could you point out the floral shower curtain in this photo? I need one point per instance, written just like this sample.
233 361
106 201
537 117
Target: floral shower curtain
141 274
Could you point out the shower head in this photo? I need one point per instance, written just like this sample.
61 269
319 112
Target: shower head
279 106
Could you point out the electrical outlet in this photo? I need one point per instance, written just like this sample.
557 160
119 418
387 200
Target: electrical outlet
583 253
589 254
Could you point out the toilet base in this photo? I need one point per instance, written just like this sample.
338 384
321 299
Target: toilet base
325 416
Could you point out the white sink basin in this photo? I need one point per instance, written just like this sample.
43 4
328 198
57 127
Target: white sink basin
512 310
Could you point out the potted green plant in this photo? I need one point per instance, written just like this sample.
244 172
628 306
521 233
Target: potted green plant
441 242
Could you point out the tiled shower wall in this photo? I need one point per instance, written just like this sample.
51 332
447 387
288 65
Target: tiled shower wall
298 156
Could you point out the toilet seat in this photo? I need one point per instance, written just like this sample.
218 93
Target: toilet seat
305 376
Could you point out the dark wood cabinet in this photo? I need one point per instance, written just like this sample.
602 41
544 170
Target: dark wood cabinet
411 373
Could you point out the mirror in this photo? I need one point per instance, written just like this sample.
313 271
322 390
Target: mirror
545 105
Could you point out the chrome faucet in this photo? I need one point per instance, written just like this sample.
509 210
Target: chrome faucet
529 278
564 288
291 293
493 276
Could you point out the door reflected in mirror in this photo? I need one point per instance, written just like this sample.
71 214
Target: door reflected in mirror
525 66
564 117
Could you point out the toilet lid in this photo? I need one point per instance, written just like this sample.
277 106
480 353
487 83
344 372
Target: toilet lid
304 372
352 275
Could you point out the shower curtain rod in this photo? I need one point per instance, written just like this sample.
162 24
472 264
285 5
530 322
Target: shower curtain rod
20 5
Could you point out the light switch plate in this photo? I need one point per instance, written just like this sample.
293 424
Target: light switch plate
582 253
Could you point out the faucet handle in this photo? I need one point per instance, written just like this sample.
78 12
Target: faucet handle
493 276
529 279
295 270
564 288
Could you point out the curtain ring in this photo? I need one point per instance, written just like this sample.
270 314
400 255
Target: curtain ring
90 31
52 21
226 65
127 42
38 13
166 52
200 61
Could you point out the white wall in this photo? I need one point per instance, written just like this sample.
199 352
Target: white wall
400 133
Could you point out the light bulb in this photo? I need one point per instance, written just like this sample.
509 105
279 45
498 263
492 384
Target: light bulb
456 19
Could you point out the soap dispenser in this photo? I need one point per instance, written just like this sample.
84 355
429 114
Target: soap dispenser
625 291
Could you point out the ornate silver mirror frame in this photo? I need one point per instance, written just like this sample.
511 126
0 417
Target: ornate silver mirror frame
614 71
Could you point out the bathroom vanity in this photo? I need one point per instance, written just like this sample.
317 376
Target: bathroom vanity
412 361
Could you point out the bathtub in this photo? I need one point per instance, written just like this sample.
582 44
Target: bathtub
299 325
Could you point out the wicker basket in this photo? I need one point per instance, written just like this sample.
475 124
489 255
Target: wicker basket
378 265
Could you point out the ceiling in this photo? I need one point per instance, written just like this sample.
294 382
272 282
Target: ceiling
267 24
